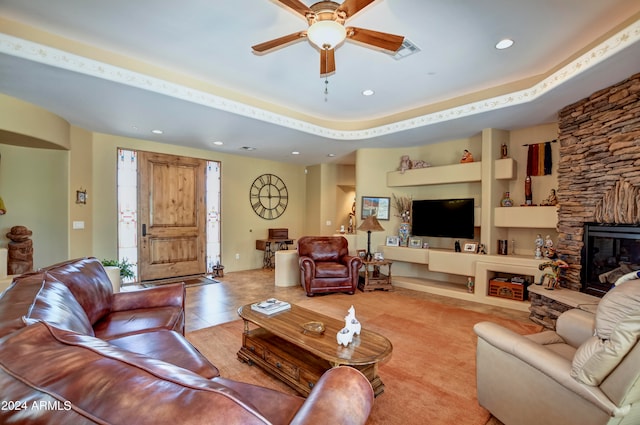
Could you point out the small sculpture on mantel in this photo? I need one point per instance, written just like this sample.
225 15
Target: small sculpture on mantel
466 157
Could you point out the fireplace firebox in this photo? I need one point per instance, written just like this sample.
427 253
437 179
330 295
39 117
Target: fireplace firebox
609 252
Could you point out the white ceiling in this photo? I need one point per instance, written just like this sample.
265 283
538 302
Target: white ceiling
127 67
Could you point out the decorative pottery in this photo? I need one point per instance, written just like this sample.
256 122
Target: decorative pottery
403 234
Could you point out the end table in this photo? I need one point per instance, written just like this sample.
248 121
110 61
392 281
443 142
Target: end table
372 278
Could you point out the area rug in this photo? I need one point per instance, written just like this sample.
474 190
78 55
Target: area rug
189 281
430 378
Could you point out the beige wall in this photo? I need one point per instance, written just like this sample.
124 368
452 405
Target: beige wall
39 187
33 185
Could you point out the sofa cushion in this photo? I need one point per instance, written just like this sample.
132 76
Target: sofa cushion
56 305
93 381
618 303
330 269
129 322
88 282
170 347
617 332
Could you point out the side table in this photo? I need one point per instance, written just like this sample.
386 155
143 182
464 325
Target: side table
372 277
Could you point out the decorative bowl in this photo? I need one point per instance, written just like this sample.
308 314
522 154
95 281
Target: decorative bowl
313 328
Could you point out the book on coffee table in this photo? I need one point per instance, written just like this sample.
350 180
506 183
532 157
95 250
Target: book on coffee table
270 306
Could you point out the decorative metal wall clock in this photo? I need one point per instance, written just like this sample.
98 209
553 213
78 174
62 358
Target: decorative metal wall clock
269 196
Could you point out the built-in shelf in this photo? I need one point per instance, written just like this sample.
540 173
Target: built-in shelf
526 217
444 174
408 255
505 169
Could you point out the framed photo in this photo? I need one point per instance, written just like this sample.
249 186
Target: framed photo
393 241
375 206
415 243
470 247
377 256
81 196
362 253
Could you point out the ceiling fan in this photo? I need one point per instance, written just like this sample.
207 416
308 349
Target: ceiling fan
327 31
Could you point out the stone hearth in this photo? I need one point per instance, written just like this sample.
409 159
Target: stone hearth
599 153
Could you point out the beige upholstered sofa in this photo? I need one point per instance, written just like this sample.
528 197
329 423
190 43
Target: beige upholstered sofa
585 372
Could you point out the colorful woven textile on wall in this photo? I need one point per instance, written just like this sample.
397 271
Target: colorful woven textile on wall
539 160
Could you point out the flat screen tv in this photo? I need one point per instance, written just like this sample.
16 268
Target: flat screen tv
446 218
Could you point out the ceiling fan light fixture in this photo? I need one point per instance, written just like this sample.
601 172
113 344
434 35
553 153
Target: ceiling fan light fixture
326 34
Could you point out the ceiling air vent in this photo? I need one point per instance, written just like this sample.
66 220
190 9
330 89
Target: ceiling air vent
407 49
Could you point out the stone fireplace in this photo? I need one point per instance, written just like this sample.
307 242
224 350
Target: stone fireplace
598 175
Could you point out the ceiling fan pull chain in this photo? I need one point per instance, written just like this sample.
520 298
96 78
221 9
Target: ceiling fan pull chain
326 79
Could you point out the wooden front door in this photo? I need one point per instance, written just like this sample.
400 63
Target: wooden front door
172 216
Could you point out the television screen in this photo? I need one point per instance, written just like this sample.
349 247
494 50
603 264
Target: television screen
447 218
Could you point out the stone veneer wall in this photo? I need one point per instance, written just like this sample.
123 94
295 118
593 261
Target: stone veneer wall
599 153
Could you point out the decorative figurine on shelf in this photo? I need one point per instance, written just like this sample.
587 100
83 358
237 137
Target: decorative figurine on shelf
548 246
466 157
503 151
482 249
551 199
456 246
470 285
506 201
418 163
539 245
405 164
552 277
528 194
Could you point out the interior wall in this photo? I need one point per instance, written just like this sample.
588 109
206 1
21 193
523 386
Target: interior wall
33 185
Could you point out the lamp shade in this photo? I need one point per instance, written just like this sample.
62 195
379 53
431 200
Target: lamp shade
326 34
371 224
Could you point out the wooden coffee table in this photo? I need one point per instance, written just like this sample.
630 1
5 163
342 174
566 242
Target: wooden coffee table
279 345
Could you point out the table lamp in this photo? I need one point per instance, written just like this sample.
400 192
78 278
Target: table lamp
370 224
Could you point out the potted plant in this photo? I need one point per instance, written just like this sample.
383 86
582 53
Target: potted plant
118 270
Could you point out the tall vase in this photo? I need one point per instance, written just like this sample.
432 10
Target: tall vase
403 233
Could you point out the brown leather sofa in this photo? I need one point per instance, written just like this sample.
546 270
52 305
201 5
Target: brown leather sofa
72 351
326 266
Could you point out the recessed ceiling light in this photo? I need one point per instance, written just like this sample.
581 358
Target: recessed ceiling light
368 92
157 131
295 153
218 143
504 44
331 155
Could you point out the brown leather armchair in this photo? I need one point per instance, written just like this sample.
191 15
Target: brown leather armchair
326 266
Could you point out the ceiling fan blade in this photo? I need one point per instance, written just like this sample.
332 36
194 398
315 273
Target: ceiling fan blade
279 42
382 40
297 6
327 61
351 7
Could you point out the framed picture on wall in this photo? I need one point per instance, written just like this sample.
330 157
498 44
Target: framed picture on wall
375 206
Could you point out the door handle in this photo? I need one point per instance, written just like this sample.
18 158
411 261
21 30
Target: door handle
144 230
